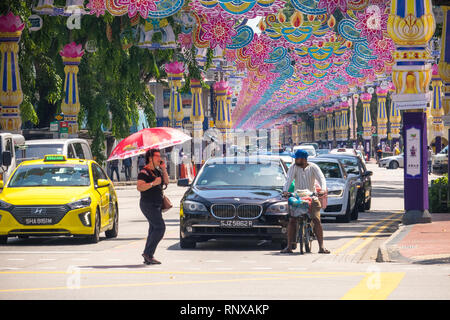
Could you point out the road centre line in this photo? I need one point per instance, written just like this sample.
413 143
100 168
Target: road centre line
359 236
372 237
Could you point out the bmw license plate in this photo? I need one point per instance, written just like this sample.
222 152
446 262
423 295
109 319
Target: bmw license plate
236 224
37 221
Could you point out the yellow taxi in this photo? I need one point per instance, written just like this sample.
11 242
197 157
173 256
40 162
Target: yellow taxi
58 196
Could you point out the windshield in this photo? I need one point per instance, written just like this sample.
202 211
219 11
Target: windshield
38 151
350 165
250 174
50 175
330 169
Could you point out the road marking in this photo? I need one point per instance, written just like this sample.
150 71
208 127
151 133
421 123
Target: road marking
214 261
47 259
261 268
79 259
16 259
375 286
114 259
372 237
349 243
158 283
47 252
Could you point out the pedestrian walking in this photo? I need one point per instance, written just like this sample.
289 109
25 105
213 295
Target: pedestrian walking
379 152
141 163
151 180
396 150
127 164
115 168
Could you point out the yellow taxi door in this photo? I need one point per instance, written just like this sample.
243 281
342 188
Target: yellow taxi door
104 193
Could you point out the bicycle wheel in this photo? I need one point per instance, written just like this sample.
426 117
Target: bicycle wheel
301 235
308 239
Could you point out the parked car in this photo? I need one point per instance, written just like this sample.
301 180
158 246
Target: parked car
233 198
354 166
70 148
8 157
315 145
393 162
440 161
323 151
308 148
342 190
360 155
349 151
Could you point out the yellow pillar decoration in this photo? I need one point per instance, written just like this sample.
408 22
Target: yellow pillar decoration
337 124
197 114
367 122
344 122
175 75
11 95
444 64
221 89
330 125
382 114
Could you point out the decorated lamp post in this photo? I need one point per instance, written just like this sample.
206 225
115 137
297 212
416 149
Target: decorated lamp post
11 95
382 116
197 114
344 122
323 129
437 111
221 90
367 123
353 119
175 75
316 127
444 71
411 25
337 124
330 127
228 109
395 120
70 106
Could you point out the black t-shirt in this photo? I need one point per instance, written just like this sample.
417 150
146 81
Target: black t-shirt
154 194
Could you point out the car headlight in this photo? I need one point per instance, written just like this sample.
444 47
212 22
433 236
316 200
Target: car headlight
82 203
4 205
335 192
194 207
278 208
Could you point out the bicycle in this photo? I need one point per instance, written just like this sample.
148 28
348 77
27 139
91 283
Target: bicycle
305 235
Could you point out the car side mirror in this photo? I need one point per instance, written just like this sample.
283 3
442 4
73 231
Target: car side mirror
183 182
101 183
6 158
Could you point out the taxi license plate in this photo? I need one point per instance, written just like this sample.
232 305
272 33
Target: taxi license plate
236 224
37 221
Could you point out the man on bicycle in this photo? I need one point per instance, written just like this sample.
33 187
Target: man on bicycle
305 175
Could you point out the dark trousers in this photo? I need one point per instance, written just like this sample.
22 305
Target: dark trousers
153 213
116 170
127 173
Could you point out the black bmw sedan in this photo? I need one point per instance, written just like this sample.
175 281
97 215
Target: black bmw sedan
235 198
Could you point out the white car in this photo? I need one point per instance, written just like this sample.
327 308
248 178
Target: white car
342 190
440 161
308 148
349 151
392 162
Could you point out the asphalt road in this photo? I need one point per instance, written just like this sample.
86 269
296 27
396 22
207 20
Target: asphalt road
65 268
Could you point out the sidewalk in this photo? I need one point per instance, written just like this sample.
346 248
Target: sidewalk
427 243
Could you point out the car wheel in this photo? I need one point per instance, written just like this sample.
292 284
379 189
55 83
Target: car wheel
393 165
360 202
96 236
282 244
347 217
367 204
187 244
115 229
3 239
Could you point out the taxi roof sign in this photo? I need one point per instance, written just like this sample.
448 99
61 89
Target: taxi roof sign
54 157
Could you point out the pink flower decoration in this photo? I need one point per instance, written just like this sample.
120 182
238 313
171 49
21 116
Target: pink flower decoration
174 67
221 86
372 23
11 23
259 49
185 40
435 69
97 7
332 5
72 50
230 55
141 6
382 48
219 31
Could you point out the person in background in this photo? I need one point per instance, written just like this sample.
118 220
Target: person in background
115 168
127 164
430 160
387 148
379 152
141 163
396 150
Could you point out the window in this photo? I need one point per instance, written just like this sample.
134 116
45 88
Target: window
79 150
98 173
70 152
9 146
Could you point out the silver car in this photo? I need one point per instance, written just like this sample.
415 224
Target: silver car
392 162
342 190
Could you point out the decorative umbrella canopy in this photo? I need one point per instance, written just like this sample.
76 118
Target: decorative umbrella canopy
138 143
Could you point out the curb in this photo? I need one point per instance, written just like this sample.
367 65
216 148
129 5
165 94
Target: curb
386 254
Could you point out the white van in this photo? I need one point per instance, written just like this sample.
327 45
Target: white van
8 159
71 148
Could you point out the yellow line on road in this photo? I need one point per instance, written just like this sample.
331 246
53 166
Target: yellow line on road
372 237
375 286
118 285
349 243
